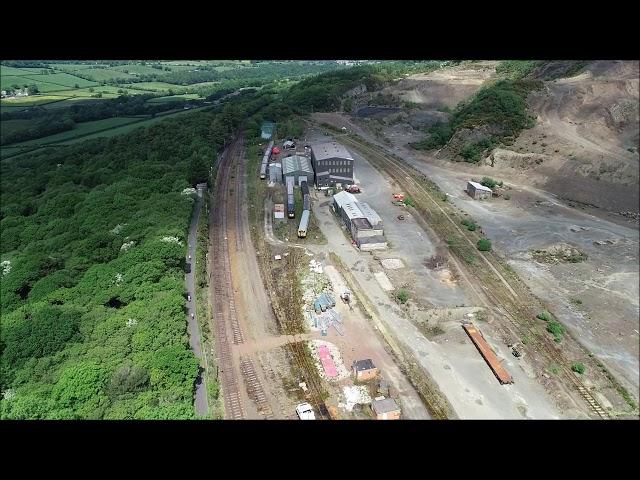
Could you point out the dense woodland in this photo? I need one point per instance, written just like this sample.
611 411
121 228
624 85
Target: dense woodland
93 243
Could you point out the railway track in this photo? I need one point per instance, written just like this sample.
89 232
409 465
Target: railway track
223 301
516 301
254 388
239 191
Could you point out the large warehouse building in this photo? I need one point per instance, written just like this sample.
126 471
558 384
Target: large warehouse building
332 163
364 224
299 167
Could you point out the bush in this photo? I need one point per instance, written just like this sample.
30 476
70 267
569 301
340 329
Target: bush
471 226
402 295
578 367
484 245
490 182
544 315
556 329
471 152
409 202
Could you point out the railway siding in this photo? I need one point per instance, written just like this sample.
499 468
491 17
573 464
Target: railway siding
517 302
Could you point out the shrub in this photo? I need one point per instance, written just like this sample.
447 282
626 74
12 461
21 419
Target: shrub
544 315
490 182
409 201
471 226
578 367
471 152
484 245
556 329
402 295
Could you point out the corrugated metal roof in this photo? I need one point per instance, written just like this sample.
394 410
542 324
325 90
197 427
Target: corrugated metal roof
344 197
352 210
296 163
330 150
480 187
384 406
370 214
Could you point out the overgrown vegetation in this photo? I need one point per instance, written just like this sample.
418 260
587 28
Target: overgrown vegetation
402 295
470 224
556 329
484 245
578 367
490 182
544 315
500 107
93 305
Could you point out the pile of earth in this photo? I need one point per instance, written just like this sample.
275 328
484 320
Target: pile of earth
559 253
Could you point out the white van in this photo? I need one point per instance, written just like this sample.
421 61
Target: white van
305 412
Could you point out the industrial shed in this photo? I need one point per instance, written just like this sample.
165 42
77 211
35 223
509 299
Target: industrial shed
299 167
268 129
332 164
364 370
478 191
342 198
386 409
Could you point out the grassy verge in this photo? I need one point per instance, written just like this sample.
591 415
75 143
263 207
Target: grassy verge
204 314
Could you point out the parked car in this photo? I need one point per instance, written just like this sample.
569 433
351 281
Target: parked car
305 412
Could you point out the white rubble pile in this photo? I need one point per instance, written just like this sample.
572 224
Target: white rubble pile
171 240
337 360
356 394
392 263
119 278
6 267
315 266
189 191
132 322
127 245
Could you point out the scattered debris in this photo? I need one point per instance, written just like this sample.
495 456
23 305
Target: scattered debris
355 395
560 252
392 263
277 257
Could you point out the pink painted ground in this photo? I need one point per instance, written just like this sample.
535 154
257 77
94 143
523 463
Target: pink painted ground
327 362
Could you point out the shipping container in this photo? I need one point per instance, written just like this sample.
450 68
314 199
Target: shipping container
290 184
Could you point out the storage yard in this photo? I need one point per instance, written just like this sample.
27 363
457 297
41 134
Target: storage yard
366 314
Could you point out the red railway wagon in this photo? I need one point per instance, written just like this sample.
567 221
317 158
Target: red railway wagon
487 353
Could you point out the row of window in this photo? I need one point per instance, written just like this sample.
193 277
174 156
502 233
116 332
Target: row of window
337 162
340 170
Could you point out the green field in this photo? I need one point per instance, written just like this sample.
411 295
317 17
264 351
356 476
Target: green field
5 71
131 126
84 131
139 69
30 101
105 74
155 86
80 130
174 98
70 66
64 80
